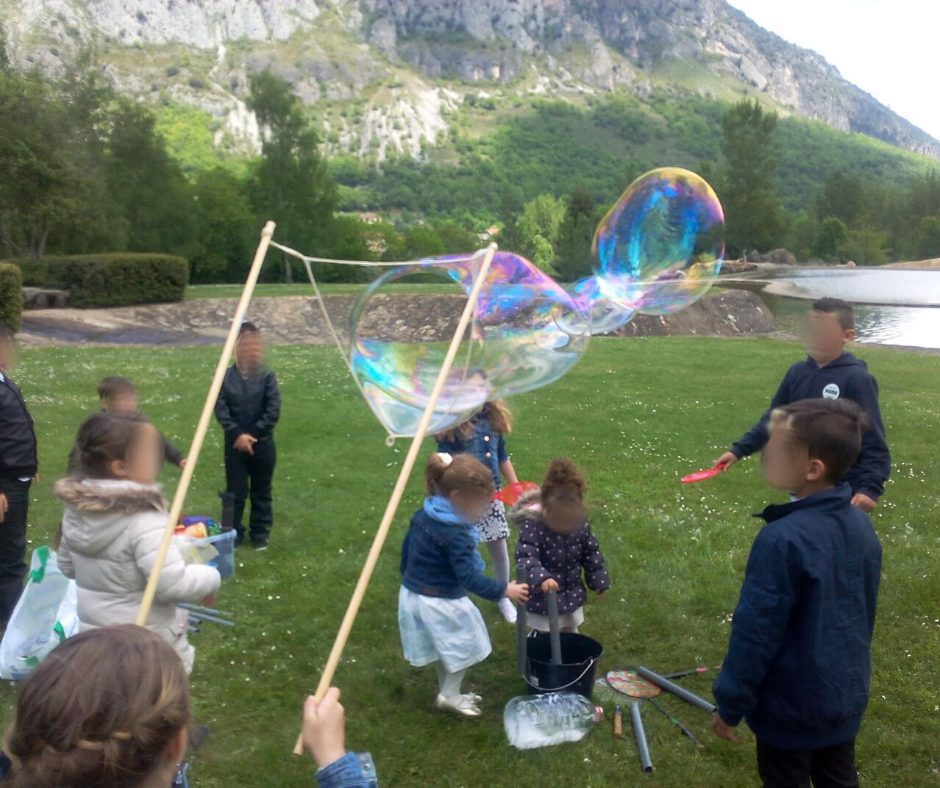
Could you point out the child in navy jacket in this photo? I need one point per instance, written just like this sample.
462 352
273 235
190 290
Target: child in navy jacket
831 373
798 667
439 563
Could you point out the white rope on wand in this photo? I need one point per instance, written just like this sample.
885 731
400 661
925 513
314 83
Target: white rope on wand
203 425
404 474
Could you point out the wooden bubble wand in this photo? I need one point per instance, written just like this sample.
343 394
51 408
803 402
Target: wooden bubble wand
390 510
202 426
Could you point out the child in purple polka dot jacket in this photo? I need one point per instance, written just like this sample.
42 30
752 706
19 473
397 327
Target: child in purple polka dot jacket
557 548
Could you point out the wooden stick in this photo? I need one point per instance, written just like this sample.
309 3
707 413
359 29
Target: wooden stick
384 526
203 425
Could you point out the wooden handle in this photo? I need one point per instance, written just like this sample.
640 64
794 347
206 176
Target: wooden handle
618 722
202 426
368 568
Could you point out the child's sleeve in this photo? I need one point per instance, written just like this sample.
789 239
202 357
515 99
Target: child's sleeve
405 547
179 581
874 461
272 407
461 555
501 454
170 453
756 438
223 413
592 559
63 556
758 627
528 554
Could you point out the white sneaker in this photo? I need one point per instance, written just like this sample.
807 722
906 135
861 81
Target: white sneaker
508 609
462 705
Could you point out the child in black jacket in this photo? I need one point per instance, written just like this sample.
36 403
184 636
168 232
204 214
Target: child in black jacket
18 464
798 667
557 547
248 409
831 373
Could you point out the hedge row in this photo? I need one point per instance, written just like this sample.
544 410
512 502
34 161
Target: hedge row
122 279
11 296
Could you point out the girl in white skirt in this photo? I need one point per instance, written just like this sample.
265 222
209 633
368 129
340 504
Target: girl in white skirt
439 565
483 437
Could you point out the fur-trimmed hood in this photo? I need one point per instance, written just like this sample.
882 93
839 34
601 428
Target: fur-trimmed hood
96 510
528 507
109 495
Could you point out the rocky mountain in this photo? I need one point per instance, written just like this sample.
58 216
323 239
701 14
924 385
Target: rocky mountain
387 75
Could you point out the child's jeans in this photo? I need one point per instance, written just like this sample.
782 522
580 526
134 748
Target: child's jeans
250 476
830 767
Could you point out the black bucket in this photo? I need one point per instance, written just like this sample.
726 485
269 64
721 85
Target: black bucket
579 657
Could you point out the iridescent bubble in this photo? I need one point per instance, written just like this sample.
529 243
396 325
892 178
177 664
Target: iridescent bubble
527 332
607 315
660 247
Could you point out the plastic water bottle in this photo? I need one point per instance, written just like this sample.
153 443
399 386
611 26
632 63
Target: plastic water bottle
542 720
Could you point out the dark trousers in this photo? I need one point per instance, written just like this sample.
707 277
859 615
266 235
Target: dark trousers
249 476
830 767
12 545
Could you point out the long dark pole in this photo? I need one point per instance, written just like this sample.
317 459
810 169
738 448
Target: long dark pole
675 689
554 634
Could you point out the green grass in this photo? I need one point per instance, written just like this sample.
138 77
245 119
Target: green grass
304 289
635 414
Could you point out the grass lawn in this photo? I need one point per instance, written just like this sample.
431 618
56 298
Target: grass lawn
635 414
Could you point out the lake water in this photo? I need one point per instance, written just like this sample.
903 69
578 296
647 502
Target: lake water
893 307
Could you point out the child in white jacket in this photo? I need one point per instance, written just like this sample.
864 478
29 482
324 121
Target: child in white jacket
114 521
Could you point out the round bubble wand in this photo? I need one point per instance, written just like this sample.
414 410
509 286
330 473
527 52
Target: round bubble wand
385 525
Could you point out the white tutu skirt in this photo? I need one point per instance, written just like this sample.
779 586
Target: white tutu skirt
447 630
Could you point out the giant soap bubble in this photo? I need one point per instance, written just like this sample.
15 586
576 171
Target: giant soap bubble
660 247
527 332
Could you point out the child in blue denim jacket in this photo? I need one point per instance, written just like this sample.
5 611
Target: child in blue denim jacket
482 437
439 564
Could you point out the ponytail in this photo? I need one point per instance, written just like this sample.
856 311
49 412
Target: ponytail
447 474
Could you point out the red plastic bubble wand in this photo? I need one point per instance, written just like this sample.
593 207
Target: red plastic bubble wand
708 473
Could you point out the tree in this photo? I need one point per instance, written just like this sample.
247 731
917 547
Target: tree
865 246
843 196
573 255
752 207
538 227
225 228
927 244
832 234
41 189
292 184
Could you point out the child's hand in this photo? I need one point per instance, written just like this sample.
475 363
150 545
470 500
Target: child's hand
183 463
209 601
245 443
727 459
723 730
549 585
601 592
517 592
864 503
325 728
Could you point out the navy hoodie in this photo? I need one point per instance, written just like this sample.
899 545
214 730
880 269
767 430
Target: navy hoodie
798 667
847 377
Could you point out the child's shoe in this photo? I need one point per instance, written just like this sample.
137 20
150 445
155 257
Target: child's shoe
508 609
463 705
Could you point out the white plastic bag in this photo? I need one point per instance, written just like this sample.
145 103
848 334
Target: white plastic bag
45 615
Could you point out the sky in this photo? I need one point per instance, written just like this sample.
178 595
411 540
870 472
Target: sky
889 48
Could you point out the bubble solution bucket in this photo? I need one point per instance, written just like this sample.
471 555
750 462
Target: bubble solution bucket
579 657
